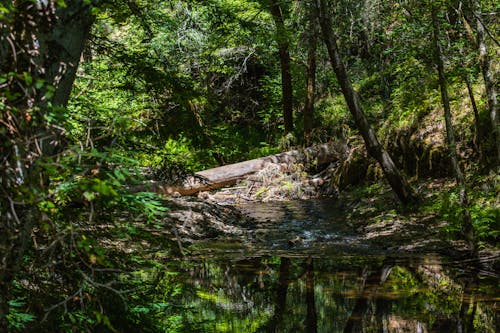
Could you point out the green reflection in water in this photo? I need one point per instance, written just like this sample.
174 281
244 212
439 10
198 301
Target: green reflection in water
333 281
348 293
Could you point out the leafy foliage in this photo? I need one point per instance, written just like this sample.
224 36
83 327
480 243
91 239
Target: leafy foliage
17 319
483 208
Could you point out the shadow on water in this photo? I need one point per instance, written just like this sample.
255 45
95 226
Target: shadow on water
330 282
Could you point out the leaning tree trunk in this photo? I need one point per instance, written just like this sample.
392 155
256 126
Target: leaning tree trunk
450 136
478 133
489 83
40 47
63 47
286 76
310 76
398 183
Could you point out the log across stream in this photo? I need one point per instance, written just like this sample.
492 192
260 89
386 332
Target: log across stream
229 174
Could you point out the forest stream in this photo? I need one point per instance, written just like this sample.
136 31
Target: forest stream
304 266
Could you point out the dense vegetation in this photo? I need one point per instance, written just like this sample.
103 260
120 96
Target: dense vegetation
94 92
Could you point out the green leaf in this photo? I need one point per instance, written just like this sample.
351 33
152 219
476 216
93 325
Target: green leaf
89 196
28 79
140 309
39 83
50 92
119 175
16 303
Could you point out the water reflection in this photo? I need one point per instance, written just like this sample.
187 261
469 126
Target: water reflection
332 280
334 294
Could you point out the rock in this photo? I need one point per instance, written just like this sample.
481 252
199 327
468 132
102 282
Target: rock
295 241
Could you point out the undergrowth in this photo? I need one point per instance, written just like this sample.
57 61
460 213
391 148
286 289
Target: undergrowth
484 209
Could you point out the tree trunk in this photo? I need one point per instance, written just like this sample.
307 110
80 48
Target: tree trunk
484 60
286 76
310 76
450 135
64 48
478 135
229 174
375 149
42 42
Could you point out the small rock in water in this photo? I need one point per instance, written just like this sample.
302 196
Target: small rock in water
295 241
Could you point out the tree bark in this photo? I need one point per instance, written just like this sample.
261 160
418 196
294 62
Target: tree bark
398 183
310 76
445 100
450 135
42 42
284 55
65 45
478 133
489 83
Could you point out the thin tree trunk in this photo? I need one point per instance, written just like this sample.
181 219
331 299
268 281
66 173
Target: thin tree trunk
478 135
484 60
398 183
450 135
286 76
310 77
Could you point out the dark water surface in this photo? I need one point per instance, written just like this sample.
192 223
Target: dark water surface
327 281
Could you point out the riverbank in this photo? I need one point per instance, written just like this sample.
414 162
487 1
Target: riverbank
371 214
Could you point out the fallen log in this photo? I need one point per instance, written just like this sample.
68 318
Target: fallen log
229 174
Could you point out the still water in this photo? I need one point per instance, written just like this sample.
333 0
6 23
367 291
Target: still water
326 281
